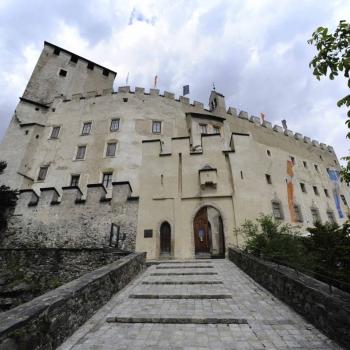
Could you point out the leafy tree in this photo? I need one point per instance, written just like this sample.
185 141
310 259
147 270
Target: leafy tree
8 198
333 58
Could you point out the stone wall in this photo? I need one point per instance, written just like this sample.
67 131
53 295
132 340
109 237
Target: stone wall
28 273
45 322
70 221
327 310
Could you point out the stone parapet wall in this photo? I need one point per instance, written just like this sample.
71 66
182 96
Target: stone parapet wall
45 322
326 310
52 220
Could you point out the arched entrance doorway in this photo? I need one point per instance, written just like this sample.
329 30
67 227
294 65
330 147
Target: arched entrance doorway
209 239
165 238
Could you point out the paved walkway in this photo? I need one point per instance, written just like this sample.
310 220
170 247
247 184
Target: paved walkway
192 305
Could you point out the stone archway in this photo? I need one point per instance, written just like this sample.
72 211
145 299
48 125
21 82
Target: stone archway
165 238
209 239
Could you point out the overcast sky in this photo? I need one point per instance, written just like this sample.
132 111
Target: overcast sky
254 50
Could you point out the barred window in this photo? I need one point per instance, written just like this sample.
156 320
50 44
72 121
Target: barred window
111 148
315 215
42 173
74 180
81 152
277 210
297 212
115 124
55 131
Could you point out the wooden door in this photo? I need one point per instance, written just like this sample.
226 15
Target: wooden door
201 231
165 238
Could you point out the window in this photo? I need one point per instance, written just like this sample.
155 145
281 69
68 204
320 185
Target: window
42 173
107 179
86 128
63 73
56 51
316 190
81 152
316 168
321 157
268 179
268 153
315 215
115 124
293 160
55 131
297 212
74 180
105 72
90 66
216 129
203 128
277 210
326 192
156 127
343 199
305 164
74 58
303 188
331 217
327 169
241 174
111 147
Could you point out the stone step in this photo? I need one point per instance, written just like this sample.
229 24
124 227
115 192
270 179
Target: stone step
161 262
180 296
181 282
176 320
183 273
185 267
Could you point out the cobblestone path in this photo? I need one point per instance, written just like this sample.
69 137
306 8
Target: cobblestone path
201 304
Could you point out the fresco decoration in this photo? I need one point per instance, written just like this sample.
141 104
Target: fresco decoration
290 191
335 179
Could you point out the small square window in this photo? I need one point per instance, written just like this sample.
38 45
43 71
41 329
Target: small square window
90 66
326 192
316 190
63 73
105 72
56 51
156 127
268 152
277 210
42 173
331 217
305 164
216 129
81 152
203 128
86 128
55 131
115 124
74 180
297 212
268 179
111 148
315 215
74 58
316 167
303 188
107 179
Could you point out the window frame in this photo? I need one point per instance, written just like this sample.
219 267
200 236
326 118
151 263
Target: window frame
326 192
217 130
40 177
71 184
109 180
331 217
280 209
82 129
302 187
62 73
154 123
317 211
201 126
52 131
113 120
77 152
297 212
107 148
268 179
316 191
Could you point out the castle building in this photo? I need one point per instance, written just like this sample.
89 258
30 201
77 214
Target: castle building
176 177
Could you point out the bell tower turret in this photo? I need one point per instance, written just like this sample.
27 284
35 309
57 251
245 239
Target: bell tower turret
217 103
